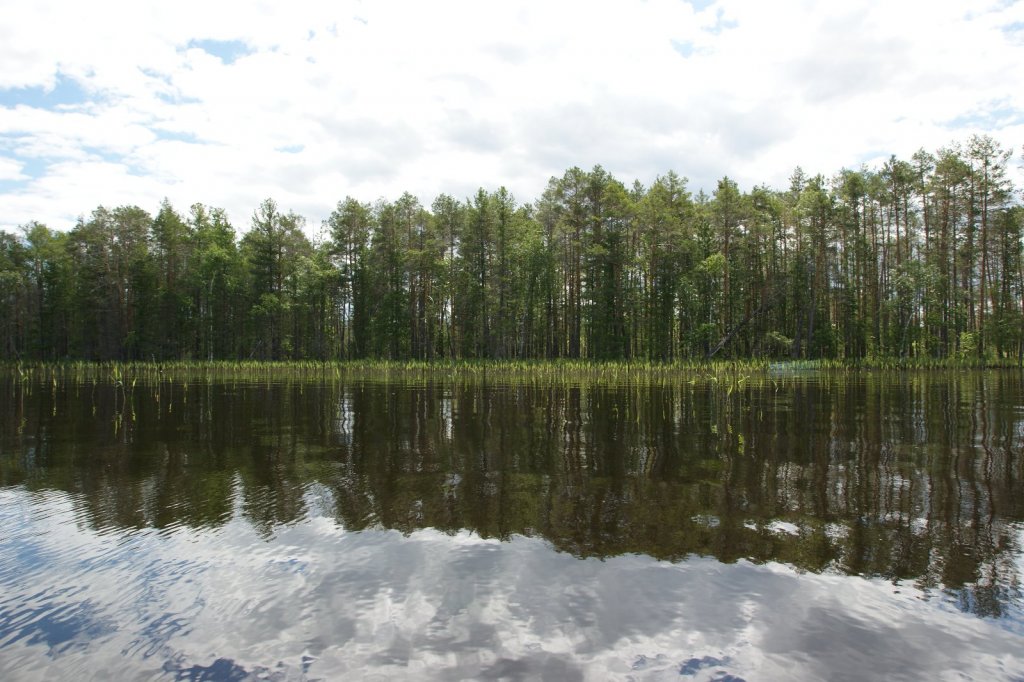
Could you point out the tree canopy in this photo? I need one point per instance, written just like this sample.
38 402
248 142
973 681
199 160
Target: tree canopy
918 258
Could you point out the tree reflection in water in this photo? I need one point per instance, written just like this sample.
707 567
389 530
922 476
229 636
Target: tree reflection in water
909 477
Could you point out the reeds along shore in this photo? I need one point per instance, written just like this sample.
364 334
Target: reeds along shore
726 373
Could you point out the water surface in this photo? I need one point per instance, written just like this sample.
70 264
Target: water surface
839 527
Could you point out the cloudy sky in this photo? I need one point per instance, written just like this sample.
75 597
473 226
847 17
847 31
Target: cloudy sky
227 102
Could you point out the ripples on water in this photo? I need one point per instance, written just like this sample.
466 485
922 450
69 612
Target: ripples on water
848 530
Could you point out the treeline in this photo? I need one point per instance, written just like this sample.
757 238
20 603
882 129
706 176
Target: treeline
918 258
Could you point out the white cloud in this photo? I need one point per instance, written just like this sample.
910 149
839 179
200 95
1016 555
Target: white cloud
329 99
11 170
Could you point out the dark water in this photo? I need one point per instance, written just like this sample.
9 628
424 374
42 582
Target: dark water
866 527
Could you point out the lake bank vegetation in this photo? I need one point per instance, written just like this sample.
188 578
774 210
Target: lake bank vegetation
726 375
916 263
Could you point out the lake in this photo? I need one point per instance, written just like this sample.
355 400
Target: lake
797 526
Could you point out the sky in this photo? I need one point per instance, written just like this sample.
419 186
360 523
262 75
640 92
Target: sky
227 103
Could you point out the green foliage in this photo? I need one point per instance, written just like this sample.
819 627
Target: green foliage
777 345
919 260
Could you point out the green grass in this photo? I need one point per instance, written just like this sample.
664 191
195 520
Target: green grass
562 371
731 373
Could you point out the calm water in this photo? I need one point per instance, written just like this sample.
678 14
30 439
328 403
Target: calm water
864 527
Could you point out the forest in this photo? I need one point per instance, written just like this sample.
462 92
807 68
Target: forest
919 258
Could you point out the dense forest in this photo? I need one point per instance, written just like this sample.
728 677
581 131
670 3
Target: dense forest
919 258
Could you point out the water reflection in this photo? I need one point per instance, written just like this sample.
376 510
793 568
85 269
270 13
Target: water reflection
245 500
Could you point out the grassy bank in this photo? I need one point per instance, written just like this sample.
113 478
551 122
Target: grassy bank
554 371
